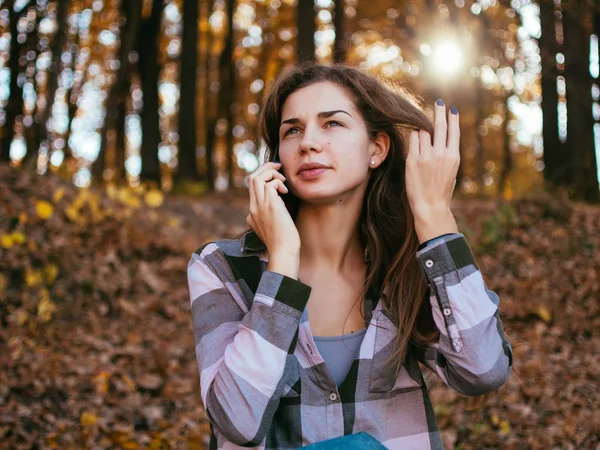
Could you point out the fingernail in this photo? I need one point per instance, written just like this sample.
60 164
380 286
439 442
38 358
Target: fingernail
453 110
440 102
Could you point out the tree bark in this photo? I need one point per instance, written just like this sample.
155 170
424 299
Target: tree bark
583 174
229 96
555 152
132 10
210 114
14 106
507 163
340 42
60 39
305 20
149 72
187 167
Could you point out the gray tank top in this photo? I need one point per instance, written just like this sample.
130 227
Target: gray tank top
339 352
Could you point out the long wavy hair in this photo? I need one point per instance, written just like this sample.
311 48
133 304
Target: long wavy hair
386 226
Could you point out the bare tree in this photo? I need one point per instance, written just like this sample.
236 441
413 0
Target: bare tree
187 165
305 21
149 72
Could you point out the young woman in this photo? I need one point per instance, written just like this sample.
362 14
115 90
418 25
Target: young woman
312 324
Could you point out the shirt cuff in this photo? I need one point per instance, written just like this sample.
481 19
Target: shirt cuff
283 293
446 255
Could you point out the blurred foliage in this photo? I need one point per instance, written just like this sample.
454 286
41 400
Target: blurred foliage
480 55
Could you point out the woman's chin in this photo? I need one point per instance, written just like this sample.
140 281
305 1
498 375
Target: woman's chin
317 195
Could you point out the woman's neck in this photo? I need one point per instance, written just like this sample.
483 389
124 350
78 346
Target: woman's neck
330 235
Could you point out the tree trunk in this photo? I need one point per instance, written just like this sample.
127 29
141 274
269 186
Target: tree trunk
555 152
187 167
14 107
340 43
60 39
480 154
149 71
229 97
507 165
583 175
132 10
210 113
305 20
119 162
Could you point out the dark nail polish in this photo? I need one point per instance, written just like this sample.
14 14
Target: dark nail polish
453 110
440 102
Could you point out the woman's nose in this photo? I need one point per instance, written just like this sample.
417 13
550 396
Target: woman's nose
310 141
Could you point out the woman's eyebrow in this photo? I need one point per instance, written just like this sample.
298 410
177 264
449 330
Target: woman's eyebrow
321 115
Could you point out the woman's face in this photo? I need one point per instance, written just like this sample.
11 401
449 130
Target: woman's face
320 124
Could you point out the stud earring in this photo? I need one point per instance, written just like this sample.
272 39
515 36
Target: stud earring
372 163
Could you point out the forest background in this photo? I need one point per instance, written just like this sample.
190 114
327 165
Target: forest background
128 130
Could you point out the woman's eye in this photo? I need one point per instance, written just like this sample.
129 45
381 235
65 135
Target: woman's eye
289 130
333 122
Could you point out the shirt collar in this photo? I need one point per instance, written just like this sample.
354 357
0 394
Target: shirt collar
251 242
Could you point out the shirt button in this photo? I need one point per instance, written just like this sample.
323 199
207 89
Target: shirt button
333 396
447 312
429 263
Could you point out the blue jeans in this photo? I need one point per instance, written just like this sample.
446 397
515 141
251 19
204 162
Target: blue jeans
362 441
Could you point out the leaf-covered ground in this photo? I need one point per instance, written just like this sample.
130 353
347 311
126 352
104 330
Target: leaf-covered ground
96 345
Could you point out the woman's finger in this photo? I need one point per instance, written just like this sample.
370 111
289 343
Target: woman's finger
273 188
440 126
413 146
424 144
453 143
259 181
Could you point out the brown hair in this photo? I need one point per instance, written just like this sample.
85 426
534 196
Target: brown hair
386 223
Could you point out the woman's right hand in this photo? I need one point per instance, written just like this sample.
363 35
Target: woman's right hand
271 221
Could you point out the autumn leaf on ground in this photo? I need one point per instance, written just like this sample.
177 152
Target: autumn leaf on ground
44 209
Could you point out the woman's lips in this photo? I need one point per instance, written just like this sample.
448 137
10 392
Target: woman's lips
311 174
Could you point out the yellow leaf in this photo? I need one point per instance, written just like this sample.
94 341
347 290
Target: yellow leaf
6 240
130 383
58 195
18 237
50 272
45 307
32 277
174 222
44 209
72 214
154 198
101 381
495 419
127 197
544 314
88 419
505 427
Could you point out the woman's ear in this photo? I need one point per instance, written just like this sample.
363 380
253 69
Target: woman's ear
380 147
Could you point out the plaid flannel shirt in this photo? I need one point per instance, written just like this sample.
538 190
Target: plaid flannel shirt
264 384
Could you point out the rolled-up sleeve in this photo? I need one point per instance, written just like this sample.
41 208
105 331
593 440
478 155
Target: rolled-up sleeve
473 355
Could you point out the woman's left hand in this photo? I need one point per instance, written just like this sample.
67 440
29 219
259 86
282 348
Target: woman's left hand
431 174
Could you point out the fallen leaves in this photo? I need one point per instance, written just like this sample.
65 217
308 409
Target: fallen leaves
96 342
